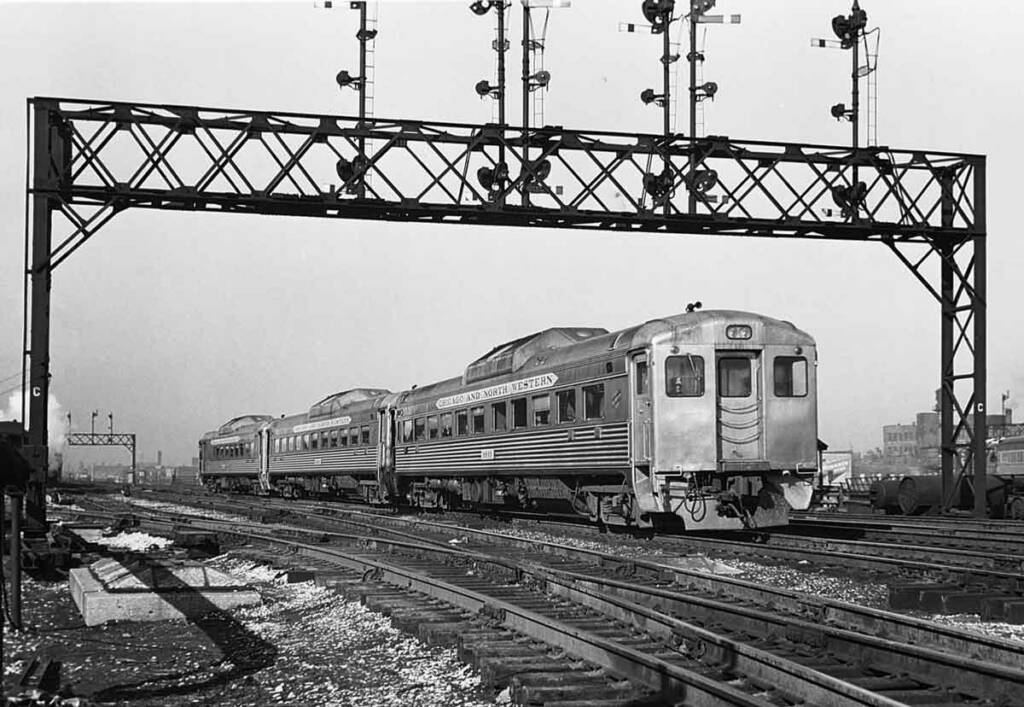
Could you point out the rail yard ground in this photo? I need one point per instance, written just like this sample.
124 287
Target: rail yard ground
326 635
302 646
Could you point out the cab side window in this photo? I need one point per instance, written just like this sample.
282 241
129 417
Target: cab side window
642 377
684 376
789 375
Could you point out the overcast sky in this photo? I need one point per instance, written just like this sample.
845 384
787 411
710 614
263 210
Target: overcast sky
177 322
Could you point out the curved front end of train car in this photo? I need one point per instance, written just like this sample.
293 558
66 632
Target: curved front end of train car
724 419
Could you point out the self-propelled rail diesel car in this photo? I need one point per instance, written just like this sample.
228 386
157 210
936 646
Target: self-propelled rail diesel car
708 418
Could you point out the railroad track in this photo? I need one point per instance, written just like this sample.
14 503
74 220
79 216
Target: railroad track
1002 539
964 523
993 572
713 620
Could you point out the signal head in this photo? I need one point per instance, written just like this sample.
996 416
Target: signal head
838 111
492 177
655 12
542 78
481 7
346 79
483 88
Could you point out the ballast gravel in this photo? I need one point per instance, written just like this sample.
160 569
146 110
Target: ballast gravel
189 510
336 652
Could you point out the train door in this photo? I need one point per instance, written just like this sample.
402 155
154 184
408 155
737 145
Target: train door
740 419
386 487
641 442
264 459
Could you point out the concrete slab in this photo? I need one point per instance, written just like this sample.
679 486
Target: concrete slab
154 589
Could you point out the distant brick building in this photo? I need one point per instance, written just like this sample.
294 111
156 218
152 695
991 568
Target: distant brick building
920 441
899 441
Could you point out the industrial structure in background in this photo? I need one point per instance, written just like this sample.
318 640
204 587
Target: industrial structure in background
101 439
919 443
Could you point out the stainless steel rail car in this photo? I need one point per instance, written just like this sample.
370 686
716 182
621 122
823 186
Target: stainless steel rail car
229 454
709 418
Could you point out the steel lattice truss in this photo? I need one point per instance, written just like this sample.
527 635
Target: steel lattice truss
98 439
93 159
117 156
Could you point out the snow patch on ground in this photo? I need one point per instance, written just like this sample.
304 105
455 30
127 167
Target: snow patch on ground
974 623
337 652
138 542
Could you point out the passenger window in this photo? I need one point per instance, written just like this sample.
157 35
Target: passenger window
478 420
789 374
406 430
519 413
446 424
314 443
353 436
642 375
364 434
432 430
684 376
343 437
334 438
323 440
462 422
305 442
419 429
593 401
498 416
566 405
734 377
541 410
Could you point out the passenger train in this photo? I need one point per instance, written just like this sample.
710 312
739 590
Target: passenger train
706 419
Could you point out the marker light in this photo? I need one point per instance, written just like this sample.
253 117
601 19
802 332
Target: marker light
738 331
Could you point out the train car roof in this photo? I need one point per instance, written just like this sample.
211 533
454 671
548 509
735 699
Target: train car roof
337 402
242 423
560 346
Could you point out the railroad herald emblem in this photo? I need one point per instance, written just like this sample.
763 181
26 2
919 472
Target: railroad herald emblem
498 391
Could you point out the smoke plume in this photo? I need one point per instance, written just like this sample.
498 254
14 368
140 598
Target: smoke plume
55 421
